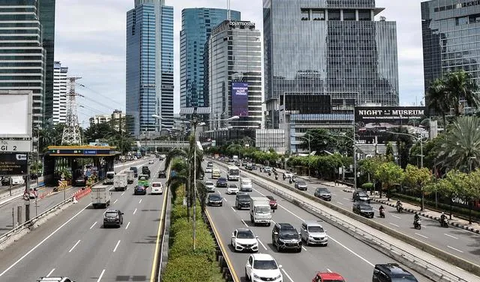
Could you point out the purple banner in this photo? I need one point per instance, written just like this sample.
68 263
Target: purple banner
240 99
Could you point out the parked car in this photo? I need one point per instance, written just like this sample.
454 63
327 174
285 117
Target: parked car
222 182
162 174
209 186
286 237
313 233
361 195
363 208
301 185
112 217
242 200
140 190
243 239
328 277
232 189
214 200
391 272
323 193
264 265
273 202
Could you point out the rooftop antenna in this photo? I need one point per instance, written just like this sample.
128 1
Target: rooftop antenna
229 16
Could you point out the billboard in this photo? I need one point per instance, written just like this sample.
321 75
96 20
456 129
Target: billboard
240 99
13 164
391 115
15 114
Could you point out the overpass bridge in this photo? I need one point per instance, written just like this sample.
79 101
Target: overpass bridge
154 144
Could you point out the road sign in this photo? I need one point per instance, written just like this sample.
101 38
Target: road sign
8 145
13 164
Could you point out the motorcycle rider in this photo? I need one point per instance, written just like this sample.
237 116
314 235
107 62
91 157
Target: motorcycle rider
399 206
381 209
443 219
416 219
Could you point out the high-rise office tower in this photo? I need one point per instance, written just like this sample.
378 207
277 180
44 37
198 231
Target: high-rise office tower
22 57
197 24
451 32
149 83
328 47
233 75
59 93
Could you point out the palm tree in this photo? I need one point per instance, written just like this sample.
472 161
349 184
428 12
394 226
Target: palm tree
437 99
459 85
460 147
179 177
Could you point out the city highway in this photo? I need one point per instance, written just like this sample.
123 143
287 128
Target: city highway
344 254
46 203
76 245
457 241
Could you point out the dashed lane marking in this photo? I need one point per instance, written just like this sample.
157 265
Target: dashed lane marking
74 246
128 224
50 273
116 246
135 211
448 235
101 275
93 225
394 224
262 244
418 234
455 249
287 275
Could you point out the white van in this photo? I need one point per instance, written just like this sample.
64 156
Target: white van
18 180
157 188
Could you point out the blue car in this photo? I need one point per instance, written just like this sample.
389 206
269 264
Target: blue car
140 190
222 182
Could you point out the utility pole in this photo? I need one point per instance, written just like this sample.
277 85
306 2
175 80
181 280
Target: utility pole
194 123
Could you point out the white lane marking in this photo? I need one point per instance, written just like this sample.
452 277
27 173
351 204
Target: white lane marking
450 236
233 209
371 264
116 246
396 216
43 241
304 248
340 203
50 273
346 199
244 223
393 224
135 211
329 270
93 225
259 192
74 246
262 244
101 275
225 199
128 224
460 251
291 213
421 235
123 194
115 201
287 275
140 201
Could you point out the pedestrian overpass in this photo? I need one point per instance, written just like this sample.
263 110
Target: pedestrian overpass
161 144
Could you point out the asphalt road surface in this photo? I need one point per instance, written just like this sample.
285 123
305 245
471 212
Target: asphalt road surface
344 254
76 245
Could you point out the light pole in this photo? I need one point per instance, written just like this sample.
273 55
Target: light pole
354 157
309 140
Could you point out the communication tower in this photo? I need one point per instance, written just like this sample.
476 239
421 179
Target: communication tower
71 132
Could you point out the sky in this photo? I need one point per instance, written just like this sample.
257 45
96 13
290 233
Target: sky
90 41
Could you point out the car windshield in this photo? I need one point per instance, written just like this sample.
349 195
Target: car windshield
290 234
142 178
110 176
265 264
323 190
315 229
245 234
243 197
140 188
301 183
156 185
233 186
362 194
365 207
209 183
262 209
215 197
222 180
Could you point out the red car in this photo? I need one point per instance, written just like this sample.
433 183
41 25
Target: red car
273 202
328 277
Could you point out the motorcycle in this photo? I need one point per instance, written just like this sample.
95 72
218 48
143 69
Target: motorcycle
382 213
417 224
290 180
443 223
399 209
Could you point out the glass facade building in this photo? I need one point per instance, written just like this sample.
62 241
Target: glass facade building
22 57
328 47
233 75
47 19
149 81
197 25
451 38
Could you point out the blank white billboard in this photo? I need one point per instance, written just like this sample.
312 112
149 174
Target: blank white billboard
15 114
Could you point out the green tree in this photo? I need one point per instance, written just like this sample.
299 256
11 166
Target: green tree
370 167
437 99
100 131
459 85
418 179
389 152
389 174
320 140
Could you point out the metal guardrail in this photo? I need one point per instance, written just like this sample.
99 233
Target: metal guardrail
379 244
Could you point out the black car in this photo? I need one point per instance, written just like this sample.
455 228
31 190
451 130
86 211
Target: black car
81 181
273 202
112 218
5 181
323 193
391 272
146 170
361 195
135 170
140 190
242 200
301 185
214 200
286 237
363 208
222 182
162 174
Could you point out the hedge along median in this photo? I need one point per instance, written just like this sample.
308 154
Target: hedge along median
185 264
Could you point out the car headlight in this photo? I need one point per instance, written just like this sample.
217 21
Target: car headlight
279 276
256 276
310 237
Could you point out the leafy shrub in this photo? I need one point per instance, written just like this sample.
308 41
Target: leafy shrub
191 268
367 186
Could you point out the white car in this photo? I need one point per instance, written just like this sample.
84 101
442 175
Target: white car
210 186
246 185
262 267
243 239
157 188
151 161
232 189
208 170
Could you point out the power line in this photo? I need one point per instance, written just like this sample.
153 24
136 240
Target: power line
109 99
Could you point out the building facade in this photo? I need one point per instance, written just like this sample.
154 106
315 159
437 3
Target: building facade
47 19
197 25
22 57
149 80
234 75
451 36
60 94
328 47
117 120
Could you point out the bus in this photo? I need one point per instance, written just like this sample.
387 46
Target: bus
233 173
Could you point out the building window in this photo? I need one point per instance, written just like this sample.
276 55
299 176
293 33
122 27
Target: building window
305 14
318 15
333 15
349 15
364 15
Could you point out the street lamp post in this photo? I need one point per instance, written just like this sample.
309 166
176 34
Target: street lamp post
309 140
354 157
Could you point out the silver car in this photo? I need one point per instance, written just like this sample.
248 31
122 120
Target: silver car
312 233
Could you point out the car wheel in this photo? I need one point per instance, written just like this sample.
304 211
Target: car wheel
299 250
246 275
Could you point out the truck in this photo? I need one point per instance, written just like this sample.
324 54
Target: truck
100 196
260 211
109 178
120 182
130 176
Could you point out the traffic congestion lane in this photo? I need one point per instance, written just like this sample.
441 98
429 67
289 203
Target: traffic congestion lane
459 242
84 236
344 254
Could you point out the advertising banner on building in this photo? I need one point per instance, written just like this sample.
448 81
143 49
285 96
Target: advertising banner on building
13 164
392 115
240 99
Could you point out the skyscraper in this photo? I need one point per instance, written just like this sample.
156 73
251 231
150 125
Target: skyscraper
22 57
328 47
59 93
450 32
234 75
197 24
149 83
